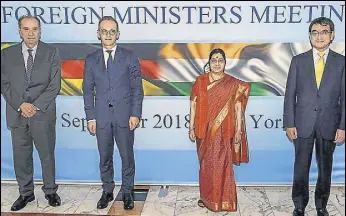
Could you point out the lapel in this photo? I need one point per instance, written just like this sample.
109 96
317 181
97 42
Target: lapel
100 62
39 59
117 67
21 76
327 68
119 62
312 70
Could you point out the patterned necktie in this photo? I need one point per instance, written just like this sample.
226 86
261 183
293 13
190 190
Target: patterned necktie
109 61
29 65
319 69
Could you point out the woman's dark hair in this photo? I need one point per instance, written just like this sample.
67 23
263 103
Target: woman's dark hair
213 52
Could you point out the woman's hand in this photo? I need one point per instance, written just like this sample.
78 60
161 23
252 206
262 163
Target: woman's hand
192 134
237 140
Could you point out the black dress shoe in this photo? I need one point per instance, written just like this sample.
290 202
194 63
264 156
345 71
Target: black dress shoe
298 212
21 202
105 198
53 199
322 212
128 201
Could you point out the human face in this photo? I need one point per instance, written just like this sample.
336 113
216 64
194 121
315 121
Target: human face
108 33
217 63
30 32
321 36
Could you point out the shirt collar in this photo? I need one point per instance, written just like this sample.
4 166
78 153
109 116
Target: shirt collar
25 48
113 49
325 52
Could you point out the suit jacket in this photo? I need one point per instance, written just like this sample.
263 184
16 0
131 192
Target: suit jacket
305 105
120 85
44 86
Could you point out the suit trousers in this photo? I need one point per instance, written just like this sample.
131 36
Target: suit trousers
124 138
42 134
303 155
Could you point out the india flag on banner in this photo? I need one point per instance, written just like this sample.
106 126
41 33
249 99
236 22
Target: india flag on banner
169 69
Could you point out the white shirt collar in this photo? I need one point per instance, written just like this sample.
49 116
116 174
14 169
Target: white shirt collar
25 48
315 51
113 49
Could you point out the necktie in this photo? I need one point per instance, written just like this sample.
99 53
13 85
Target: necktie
109 61
29 65
319 69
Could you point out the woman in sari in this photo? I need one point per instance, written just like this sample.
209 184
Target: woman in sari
217 123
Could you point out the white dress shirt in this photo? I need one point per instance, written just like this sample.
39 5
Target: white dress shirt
106 55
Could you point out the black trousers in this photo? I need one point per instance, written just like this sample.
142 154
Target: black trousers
324 157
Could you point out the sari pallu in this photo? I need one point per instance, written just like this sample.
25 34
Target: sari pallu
215 129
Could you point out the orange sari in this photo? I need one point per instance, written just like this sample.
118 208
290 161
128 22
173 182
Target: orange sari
215 123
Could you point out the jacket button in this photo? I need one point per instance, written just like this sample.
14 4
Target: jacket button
318 96
316 109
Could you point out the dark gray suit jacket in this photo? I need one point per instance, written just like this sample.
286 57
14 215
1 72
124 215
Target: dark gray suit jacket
43 89
305 104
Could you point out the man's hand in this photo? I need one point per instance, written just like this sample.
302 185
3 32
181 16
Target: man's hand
133 122
291 133
92 127
339 136
27 110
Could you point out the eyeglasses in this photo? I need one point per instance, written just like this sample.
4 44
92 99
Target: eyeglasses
105 32
322 33
220 61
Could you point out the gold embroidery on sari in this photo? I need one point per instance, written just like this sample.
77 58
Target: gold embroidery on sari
211 85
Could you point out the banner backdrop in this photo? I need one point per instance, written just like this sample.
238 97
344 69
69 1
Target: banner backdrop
173 41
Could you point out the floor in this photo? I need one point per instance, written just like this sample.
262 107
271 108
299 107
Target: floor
170 201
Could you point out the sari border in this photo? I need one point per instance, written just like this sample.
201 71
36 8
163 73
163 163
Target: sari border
225 206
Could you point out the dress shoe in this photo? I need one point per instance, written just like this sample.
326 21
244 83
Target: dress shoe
53 199
322 212
105 198
21 202
298 212
128 201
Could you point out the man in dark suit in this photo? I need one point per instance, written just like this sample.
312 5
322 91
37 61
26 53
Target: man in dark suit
30 82
113 96
314 112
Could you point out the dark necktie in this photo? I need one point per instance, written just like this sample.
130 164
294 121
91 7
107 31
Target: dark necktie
29 65
109 61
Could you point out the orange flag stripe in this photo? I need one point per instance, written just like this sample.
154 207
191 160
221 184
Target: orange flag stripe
74 69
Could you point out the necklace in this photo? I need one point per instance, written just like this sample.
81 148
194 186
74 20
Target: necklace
211 76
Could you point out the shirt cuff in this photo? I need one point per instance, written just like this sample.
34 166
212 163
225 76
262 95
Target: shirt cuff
35 107
92 120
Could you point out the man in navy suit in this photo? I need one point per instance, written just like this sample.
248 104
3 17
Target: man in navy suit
113 96
314 113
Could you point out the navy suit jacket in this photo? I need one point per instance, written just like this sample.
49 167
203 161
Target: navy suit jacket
120 86
305 105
